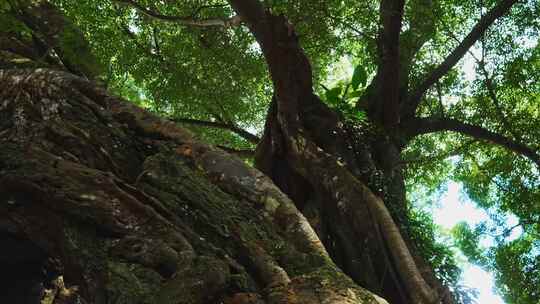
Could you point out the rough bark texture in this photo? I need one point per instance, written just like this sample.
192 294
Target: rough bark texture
101 202
324 166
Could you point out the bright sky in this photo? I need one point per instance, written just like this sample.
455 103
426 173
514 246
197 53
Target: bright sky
455 207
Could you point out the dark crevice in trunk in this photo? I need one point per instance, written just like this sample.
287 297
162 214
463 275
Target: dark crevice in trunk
27 270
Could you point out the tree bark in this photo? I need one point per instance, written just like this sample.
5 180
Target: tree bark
105 203
102 202
388 84
309 154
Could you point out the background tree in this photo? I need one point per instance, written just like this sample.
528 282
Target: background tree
380 133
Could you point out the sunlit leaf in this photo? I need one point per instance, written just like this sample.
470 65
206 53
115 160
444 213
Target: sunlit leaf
359 77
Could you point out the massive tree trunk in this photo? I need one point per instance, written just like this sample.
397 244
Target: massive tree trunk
344 177
101 202
341 192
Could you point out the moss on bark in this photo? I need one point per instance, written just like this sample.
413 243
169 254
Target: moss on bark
129 208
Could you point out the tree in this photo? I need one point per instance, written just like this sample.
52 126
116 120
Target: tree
342 160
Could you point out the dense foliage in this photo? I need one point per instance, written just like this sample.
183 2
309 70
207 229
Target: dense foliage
214 79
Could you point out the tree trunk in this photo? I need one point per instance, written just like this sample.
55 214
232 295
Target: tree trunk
102 202
338 184
338 174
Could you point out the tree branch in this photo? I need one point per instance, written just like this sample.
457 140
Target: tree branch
184 20
242 153
388 70
442 156
452 59
252 138
200 8
420 126
290 69
155 34
490 88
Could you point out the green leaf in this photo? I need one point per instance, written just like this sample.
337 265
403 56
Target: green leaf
355 94
359 77
332 95
4 6
360 115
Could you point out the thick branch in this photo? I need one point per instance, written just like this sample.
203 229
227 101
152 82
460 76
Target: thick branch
252 138
183 20
388 71
452 59
429 125
285 57
289 67
253 13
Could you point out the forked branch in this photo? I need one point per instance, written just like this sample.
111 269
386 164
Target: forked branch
499 10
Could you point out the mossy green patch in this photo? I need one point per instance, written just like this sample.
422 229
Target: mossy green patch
131 283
